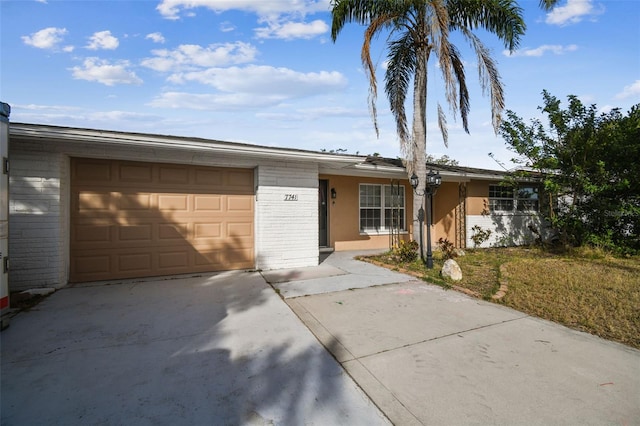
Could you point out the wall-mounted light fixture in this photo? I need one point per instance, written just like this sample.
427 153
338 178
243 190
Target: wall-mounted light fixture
334 194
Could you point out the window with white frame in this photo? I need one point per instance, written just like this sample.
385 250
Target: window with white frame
382 207
528 199
509 199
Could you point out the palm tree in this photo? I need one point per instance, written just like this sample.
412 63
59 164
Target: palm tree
417 29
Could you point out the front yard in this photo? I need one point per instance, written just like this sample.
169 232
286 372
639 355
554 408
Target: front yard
585 290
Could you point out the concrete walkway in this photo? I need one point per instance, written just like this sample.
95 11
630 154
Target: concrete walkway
427 356
220 349
337 271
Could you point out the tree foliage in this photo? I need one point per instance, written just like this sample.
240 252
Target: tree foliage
590 166
445 160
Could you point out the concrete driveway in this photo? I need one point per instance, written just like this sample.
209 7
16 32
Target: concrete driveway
220 349
427 356
225 349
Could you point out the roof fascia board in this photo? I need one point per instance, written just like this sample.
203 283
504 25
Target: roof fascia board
339 162
385 170
153 141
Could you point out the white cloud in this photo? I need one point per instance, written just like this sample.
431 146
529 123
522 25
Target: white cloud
214 101
573 12
587 99
311 114
606 109
50 108
102 40
155 37
61 115
101 71
112 116
171 9
555 49
47 38
227 27
630 91
266 80
292 30
249 88
191 56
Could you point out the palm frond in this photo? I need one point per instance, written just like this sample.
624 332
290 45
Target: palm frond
376 25
442 124
463 100
346 11
489 77
548 4
500 17
400 70
438 31
362 12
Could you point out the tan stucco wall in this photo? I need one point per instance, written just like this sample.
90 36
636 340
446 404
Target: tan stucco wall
477 197
444 209
344 226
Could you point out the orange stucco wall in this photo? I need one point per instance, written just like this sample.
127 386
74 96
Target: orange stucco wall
344 225
477 197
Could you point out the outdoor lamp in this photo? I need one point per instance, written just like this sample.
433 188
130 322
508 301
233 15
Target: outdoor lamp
334 194
434 180
414 181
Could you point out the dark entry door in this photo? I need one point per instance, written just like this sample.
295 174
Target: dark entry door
323 210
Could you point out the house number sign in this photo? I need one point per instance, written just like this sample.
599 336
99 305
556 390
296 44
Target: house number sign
291 197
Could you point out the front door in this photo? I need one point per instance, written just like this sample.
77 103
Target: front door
323 210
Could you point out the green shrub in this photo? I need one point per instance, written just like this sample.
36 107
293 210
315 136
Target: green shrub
405 252
447 248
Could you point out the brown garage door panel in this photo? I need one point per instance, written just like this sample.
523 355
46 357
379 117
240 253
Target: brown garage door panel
134 219
235 258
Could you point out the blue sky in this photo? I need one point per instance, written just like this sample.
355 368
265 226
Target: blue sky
266 71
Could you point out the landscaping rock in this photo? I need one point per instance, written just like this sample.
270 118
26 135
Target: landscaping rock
451 270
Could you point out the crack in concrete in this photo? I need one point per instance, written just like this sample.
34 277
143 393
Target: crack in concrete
444 336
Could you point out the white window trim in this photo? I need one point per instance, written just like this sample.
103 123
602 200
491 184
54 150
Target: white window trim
514 211
383 231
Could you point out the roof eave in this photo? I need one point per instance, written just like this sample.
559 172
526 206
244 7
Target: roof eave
158 141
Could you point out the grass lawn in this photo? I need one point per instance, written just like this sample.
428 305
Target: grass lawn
585 290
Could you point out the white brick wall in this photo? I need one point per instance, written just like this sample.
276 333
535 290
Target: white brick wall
38 221
506 230
286 231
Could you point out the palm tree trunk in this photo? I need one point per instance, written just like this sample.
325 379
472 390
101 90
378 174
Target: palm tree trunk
419 136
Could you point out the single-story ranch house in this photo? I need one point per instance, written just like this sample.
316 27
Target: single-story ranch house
89 205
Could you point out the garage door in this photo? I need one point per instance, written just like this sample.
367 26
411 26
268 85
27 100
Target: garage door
136 219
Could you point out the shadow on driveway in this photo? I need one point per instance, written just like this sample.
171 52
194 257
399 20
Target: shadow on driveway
215 349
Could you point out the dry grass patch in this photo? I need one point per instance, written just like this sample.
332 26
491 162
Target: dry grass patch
585 290
600 296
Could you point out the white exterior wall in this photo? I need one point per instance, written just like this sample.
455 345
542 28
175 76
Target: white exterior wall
5 111
287 229
38 223
506 230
